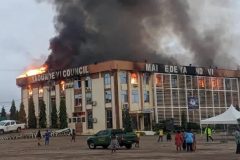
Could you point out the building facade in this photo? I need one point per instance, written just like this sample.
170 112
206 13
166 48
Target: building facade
97 94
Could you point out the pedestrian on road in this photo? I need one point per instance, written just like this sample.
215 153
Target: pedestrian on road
208 132
178 141
189 140
38 136
73 135
237 139
184 145
138 140
47 137
169 136
114 143
160 136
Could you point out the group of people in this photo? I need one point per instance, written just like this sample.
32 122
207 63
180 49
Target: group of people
184 140
47 136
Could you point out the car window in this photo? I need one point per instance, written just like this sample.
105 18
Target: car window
12 123
100 133
2 123
7 124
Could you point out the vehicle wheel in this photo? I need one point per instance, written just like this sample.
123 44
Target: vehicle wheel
1 131
18 129
128 146
91 145
105 146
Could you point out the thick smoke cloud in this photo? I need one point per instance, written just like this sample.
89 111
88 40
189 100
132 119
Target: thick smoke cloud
91 31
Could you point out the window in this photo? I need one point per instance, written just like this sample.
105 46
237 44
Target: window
40 90
135 96
12 123
175 98
108 96
124 96
123 77
88 83
107 79
201 82
159 80
134 78
174 81
88 98
189 82
234 84
227 84
78 100
146 96
146 78
109 118
89 119
77 84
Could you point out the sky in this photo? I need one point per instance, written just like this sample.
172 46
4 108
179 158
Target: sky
27 26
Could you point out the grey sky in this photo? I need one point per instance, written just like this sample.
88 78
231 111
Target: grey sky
27 26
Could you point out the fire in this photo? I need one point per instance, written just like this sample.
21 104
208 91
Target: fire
30 91
62 85
33 72
201 83
134 78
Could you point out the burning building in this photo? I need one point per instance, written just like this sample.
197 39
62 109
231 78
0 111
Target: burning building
97 94
106 58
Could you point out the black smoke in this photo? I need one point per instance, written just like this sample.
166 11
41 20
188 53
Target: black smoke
92 31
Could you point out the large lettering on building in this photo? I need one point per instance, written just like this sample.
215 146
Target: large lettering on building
62 74
174 69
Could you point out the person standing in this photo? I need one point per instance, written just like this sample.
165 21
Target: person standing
39 136
189 140
237 139
47 137
73 135
208 132
160 136
138 140
184 145
114 143
178 141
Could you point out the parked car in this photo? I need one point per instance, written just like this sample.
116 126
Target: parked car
103 138
11 125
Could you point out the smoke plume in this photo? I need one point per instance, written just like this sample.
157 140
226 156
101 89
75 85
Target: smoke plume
92 31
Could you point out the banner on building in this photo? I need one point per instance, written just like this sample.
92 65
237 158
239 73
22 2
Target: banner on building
193 103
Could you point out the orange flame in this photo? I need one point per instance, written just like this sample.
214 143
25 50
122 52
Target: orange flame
134 78
62 85
33 72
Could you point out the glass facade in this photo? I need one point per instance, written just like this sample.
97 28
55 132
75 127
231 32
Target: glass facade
213 95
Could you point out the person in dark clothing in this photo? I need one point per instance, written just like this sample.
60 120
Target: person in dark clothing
38 136
184 145
47 137
73 135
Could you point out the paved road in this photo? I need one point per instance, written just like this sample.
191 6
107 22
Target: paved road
62 148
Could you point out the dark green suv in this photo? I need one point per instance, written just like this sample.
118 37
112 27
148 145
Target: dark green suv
103 138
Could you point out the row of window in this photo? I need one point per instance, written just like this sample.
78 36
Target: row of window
90 119
196 82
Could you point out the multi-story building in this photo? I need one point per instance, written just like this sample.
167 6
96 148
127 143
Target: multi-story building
97 94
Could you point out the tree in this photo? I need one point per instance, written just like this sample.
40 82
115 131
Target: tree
22 114
42 114
17 115
183 120
3 114
54 116
31 114
13 111
63 114
127 122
